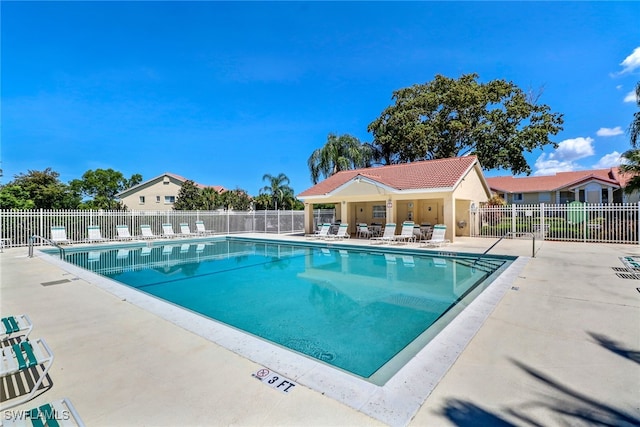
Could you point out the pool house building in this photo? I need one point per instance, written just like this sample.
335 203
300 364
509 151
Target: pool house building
431 192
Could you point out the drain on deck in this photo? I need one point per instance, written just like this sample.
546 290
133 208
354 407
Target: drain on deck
55 282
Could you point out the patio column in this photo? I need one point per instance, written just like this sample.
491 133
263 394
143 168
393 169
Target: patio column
610 195
309 220
449 216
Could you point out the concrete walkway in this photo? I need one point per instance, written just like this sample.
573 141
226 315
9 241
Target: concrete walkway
562 347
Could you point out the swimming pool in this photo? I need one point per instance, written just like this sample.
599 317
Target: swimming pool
363 310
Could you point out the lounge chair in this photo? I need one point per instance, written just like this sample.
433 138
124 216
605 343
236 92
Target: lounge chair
340 234
201 230
123 232
18 358
437 238
185 230
322 232
406 235
57 413
59 235
94 234
167 231
15 326
146 232
387 236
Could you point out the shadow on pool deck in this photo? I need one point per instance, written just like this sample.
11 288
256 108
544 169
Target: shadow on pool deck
561 347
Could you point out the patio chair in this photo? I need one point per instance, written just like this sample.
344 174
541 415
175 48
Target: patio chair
321 233
340 234
363 231
201 230
57 413
20 358
123 232
15 326
387 236
437 237
59 235
146 232
167 231
185 230
94 234
406 235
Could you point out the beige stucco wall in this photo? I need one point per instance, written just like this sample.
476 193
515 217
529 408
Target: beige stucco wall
151 191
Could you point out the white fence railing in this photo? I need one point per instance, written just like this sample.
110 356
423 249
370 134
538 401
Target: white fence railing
580 222
16 227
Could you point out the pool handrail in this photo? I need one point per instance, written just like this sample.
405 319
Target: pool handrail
32 239
511 233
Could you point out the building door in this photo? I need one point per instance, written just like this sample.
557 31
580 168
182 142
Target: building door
430 213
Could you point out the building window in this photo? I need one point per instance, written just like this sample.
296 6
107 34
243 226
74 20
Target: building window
544 197
141 200
380 211
157 199
169 200
517 197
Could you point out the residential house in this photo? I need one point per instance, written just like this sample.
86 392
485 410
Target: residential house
591 186
157 194
430 191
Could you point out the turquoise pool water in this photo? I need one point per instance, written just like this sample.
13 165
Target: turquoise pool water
355 308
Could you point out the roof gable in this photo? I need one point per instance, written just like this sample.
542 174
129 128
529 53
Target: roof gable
172 176
423 175
558 181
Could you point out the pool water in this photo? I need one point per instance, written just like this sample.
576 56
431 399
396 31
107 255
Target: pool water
355 308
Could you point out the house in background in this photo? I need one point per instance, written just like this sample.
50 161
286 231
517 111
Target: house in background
431 191
157 194
590 186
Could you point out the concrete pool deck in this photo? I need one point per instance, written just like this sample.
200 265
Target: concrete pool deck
562 346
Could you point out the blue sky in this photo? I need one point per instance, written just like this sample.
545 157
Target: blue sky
223 93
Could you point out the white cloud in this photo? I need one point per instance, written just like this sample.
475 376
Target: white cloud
631 62
573 149
563 159
610 131
609 160
630 97
546 166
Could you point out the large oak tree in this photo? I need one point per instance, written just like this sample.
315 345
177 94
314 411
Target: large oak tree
446 117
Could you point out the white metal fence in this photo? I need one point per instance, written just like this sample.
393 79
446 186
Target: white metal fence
575 222
16 227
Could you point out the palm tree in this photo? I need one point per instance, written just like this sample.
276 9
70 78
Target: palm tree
634 128
278 189
632 167
339 153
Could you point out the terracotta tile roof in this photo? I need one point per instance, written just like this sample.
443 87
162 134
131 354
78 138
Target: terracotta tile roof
427 174
532 184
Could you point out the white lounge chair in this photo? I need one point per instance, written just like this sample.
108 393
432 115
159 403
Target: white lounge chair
15 326
200 229
21 357
94 234
146 232
185 230
167 231
406 235
320 233
437 238
340 234
57 413
59 235
123 232
387 236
